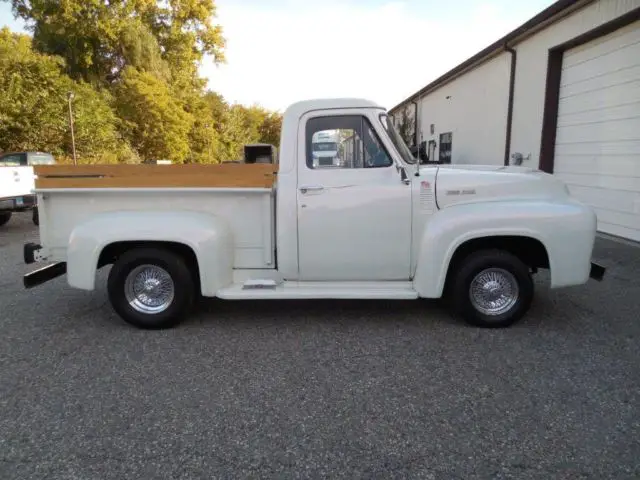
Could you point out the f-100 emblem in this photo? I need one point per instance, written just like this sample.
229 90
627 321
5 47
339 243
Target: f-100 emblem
461 192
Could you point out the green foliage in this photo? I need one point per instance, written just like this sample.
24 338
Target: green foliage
152 119
98 38
132 65
406 127
270 128
34 105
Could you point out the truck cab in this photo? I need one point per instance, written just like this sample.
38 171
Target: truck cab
374 224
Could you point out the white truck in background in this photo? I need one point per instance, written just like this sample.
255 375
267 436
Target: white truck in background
324 147
382 227
17 183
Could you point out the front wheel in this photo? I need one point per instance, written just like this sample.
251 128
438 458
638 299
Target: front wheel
35 217
492 288
151 288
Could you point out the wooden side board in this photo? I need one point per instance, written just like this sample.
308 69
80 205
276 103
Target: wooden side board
229 175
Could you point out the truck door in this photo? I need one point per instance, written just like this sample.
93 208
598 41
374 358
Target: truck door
354 217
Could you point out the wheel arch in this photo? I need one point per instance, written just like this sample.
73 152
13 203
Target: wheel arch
111 252
205 240
453 232
530 250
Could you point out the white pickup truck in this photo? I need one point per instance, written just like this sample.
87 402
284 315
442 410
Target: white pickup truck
379 227
16 192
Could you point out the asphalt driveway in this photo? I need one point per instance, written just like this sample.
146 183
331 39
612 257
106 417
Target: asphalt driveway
319 389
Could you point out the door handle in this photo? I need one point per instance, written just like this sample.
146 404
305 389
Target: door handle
311 188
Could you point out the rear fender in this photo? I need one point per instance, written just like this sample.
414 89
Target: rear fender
208 236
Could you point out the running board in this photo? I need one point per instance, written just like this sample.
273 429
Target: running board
263 290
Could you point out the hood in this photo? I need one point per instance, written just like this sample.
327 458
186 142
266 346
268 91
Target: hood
456 184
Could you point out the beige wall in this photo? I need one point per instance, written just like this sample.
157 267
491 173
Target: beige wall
475 113
531 71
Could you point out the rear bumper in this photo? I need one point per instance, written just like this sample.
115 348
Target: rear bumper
597 271
17 204
44 274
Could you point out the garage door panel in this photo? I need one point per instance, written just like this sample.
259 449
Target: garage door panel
615 200
624 220
624 93
598 180
618 112
620 39
600 131
595 164
597 151
618 59
629 233
600 83
600 149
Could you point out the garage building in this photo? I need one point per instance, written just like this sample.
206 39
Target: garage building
560 93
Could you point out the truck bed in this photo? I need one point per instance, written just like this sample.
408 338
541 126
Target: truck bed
242 194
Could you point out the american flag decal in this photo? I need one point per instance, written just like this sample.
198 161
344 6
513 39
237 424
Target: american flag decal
425 184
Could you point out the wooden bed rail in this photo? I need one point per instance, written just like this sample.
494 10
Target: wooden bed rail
229 175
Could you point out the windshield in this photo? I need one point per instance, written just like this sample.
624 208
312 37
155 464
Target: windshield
397 140
41 159
325 146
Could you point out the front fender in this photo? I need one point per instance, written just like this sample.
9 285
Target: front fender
565 229
208 236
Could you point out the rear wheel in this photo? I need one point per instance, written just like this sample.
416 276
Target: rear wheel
4 217
492 288
151 288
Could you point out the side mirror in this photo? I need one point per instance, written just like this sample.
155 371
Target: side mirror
404 177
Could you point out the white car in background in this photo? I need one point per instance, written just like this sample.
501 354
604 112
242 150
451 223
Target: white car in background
17 183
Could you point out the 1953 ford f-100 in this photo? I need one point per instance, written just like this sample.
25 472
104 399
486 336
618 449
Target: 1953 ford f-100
370 224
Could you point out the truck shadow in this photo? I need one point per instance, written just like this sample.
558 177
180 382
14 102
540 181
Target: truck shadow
290 312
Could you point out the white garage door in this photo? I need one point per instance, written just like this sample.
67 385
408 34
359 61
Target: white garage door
598 138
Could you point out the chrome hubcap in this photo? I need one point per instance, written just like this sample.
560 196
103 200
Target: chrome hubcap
149 289
494 291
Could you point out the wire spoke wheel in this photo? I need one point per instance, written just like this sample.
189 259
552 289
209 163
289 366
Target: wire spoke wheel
494 291
149 289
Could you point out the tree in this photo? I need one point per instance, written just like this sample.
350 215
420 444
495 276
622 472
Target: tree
270 128
99 39
204 137
33 106
134 67
152 119
406 127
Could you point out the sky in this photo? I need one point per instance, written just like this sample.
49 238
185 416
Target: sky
282 51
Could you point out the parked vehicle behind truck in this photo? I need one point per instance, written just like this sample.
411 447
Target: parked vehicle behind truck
474 235
17 183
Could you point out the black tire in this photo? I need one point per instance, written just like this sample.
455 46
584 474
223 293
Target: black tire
482 261
35 217
4 217
177 269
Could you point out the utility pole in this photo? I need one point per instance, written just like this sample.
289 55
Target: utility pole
73 138
209 133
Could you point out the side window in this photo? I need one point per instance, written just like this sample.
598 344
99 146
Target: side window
11 160
347 141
